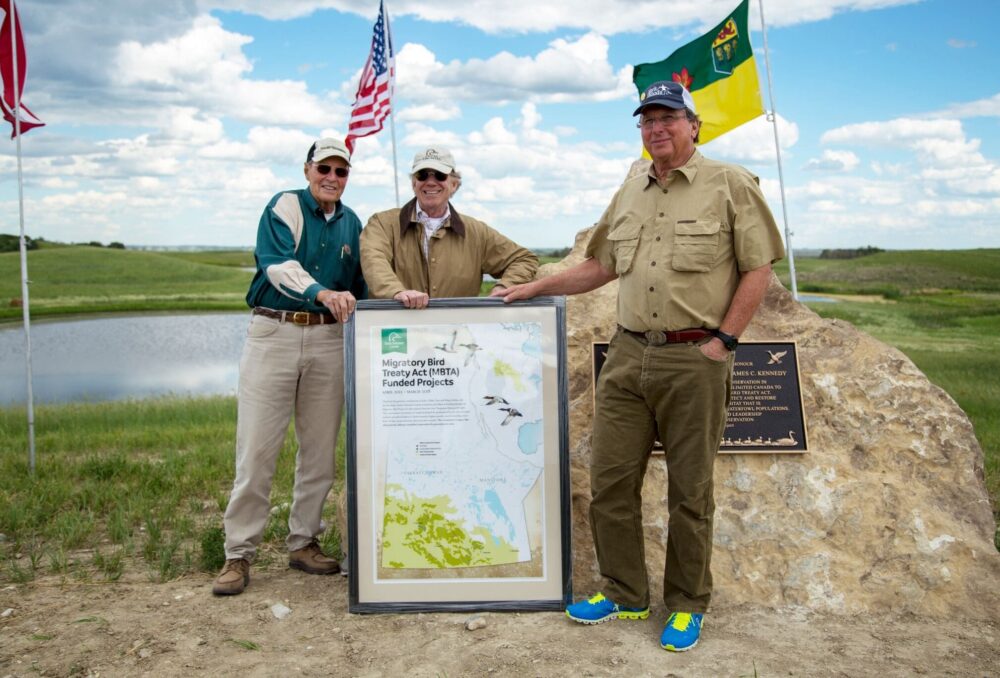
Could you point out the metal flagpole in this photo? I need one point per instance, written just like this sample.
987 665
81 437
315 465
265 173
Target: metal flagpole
24 252
773 117
387 48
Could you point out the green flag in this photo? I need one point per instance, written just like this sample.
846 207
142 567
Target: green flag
719 70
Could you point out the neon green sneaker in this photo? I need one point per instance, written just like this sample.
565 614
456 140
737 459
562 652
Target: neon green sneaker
681 632
599 609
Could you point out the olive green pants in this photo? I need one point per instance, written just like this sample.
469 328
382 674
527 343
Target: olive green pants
675 393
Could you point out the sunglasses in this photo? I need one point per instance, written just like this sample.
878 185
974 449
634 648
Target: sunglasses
341 172
422 175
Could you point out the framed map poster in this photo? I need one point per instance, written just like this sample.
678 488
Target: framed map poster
457 460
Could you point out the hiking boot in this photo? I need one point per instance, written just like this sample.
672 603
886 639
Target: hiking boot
235 577
599 609
312 560
681 632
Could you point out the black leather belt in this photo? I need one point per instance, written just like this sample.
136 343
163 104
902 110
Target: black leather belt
295 317
661 337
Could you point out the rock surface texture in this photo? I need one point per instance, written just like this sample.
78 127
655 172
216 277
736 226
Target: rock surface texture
887 512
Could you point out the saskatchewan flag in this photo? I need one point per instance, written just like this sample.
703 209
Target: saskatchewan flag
719 71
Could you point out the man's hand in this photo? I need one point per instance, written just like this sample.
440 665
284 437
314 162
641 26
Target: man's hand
714 349
517 292
412 298
498 290
341 304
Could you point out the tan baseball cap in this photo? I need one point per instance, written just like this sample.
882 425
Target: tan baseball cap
328 148
433 158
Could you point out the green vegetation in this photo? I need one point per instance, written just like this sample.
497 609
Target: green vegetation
127 485
943 312
142 485
99 280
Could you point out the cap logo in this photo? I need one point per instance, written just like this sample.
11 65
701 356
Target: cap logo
430 154
658 90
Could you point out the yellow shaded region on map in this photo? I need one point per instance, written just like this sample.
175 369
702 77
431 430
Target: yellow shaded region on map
422 532
502 369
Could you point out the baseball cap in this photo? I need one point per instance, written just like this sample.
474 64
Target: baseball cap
435 159
328 148
666 93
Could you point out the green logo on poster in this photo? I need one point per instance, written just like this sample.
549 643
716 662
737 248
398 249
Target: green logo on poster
393 340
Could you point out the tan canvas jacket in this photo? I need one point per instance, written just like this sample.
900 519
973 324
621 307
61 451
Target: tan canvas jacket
461 251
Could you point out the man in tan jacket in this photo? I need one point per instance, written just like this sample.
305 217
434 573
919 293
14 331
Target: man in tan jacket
428 250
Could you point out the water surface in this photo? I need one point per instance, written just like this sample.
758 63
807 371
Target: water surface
115 358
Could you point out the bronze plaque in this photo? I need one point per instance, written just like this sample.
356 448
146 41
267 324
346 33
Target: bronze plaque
765 410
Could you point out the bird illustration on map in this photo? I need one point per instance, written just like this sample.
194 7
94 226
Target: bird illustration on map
511 413
495 400
471 355
449 348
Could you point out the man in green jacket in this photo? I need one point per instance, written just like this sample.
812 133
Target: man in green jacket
428 250
308 279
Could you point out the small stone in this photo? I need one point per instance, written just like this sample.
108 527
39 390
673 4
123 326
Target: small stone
8 612
145 653
280 611
475 623
3 537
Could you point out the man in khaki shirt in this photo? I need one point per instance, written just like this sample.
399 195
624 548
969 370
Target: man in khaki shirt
691 243
428 250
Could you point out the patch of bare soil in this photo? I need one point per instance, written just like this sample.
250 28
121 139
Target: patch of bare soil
54 627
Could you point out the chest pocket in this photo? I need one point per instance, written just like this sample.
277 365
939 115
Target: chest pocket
625 240
696 243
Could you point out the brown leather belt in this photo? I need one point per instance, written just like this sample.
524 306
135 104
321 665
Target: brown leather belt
660 337
295 317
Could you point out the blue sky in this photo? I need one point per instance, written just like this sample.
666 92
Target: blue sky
172 123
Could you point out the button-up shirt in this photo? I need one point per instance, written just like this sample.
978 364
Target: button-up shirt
679 245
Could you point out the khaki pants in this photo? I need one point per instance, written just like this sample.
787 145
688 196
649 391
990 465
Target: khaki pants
677 394
285 368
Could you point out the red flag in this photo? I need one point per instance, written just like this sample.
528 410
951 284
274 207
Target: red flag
373 101
10 22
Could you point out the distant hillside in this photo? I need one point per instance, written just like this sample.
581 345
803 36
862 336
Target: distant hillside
83 279
899 272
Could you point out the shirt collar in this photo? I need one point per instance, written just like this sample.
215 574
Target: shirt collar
688 169
408 217
314 207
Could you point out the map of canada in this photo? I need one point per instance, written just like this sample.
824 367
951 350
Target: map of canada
461 433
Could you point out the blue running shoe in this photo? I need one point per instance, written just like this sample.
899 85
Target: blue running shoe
599 609
681 632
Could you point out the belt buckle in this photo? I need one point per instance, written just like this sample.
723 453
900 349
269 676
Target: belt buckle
656 337
300 317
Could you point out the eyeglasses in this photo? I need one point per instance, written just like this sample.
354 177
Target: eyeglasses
341 172
422 175
650 123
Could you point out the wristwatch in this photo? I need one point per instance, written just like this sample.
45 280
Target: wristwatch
728 340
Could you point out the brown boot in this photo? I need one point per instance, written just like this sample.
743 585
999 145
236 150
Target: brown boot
235 577
311 559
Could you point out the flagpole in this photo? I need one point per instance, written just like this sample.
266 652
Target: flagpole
773 116
387 48
24 251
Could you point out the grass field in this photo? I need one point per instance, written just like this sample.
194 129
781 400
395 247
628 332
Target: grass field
97 280
143 483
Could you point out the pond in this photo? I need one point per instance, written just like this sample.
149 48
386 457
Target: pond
115 358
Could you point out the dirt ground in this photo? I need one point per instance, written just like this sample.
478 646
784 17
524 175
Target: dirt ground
53 627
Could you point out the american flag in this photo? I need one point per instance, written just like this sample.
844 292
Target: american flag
11 22
373 101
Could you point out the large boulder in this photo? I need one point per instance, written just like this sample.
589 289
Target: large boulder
887 511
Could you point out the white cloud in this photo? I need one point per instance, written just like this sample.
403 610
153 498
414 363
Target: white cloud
988 107
207 69
834 161
961 44
753 142
605 16
567 70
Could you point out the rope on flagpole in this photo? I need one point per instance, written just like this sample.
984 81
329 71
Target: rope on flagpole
26 313
773 117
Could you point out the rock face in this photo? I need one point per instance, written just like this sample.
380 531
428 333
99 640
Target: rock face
888 510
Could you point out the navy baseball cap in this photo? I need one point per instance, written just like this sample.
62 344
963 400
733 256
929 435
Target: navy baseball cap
666 93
